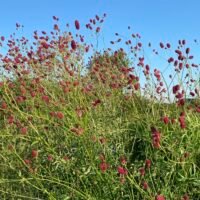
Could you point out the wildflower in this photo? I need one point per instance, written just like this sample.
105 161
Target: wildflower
45 98
155 137
20 99
123 160
166 120
170 60
59 115
50 158
17 25
3 105
79 112
103 166
2 38
182 120
142 171
54 17
11 119
148 163
34 153
161 45
23 130
145 185
186 154
191 57
32 93
136 86
168 45
52 114
56 28
102 140
97 17
78 130
176 88
187 51
157 74
97 29
122 170
160 197
185 197
198 109
77 24
73 45
96 102
27 161
178 52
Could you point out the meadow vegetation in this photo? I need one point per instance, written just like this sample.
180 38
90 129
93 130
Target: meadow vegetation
98 131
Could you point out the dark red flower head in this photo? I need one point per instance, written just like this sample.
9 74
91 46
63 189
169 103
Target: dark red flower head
122 170
160 197
34 153
77 24
73 45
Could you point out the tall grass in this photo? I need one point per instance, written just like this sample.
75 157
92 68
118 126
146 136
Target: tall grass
69 134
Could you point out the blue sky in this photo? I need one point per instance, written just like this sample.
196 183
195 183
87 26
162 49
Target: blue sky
155 20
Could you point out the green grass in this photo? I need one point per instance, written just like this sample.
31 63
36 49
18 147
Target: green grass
114 128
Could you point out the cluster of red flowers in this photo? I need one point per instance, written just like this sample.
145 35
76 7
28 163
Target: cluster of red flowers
58 115
155 137
182 120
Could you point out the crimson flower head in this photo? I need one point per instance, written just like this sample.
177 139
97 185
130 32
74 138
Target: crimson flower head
185 197
34 153
166 119
142 171
23 130
160 197
145 185
45 98
77 130
17 25
122 170
182 120
97 29
161 45
103 166
73 45
156 136
77 24
176 88
2 38
55 18
123 160
79 112
96 102
168 45
11 119
148 163
187 51
27 161
50 158
60 115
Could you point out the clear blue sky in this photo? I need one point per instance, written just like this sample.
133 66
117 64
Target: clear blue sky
155 20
